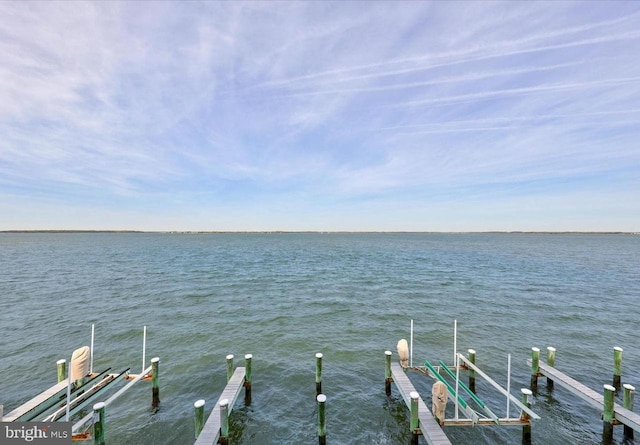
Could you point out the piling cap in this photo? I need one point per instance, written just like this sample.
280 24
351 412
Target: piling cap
414 395
472 351
551 348
526 391
248 357
98 406
319 355
609 388
61 361
535 349
155 359
321 398
629 387
230 357
199 403
388 352
224 402
617 348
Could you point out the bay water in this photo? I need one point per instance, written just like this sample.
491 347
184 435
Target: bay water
283 297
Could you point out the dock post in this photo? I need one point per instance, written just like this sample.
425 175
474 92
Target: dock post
627 402
199 416
535 368
322 419
247 379
318 374
155 388
551 361
98 424
472 373
415 421
387 373
617 367
608 414
62 369
229 367
224 422
526 429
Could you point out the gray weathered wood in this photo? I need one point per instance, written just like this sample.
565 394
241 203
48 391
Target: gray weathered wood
211 431
590 396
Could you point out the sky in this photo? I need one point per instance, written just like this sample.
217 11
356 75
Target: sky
320 116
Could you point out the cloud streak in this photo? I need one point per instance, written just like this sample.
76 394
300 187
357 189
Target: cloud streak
210 108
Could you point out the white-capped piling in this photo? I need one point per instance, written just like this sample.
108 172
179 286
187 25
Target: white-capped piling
247 379
608 413
535 368
472 373
627 402
526 428
322 419
617 367
62 369
229 366
224 422
551 361
198 416
98 423
318 374
387 373
155 376
414 423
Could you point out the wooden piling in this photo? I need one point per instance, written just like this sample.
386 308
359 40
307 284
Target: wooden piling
322 419
617 367
318 374
199 416
627 402
155 376
229 367
608 413
62 369
387 373
224 422
247 379
98 424
526 429
472 373
535 368
551 361
415 420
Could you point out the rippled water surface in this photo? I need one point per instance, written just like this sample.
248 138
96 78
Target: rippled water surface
284 297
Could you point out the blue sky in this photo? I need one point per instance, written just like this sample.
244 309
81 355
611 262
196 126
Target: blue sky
414 116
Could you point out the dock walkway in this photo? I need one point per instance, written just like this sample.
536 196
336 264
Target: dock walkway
590 396
211 431
431 430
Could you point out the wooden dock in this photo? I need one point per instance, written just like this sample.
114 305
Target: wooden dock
211 430
590 396
429 427
32 404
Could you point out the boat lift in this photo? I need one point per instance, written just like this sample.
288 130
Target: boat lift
75 390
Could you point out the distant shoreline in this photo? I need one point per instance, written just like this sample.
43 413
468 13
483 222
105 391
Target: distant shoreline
202 232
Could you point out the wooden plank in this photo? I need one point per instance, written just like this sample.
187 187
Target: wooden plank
211 431
429 427
33 403
590 396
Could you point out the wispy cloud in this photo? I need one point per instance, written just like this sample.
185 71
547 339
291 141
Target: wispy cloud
198 106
